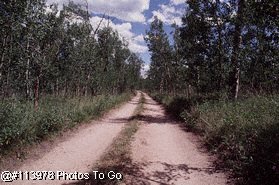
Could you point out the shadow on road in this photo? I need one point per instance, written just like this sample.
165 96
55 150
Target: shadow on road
147 119
134 174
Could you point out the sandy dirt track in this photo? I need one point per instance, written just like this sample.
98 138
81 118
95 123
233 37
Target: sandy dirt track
163 153
84 148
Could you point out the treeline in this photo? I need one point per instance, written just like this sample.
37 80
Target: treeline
222 47
223 50
47 51
73 71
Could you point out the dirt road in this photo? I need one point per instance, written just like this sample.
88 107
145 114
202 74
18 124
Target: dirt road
163 153
84 148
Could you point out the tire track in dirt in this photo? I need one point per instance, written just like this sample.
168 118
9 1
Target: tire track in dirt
79 152
163 153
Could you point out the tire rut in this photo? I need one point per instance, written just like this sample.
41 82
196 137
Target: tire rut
163 153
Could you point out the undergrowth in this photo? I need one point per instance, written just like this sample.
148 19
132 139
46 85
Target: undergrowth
245 133
20 124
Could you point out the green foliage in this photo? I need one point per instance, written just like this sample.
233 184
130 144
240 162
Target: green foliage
48 122
174 105
221 46
224 46
160 72
245 134
21 124
45 47
178 104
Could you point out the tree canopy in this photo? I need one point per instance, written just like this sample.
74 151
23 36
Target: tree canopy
47 51
222 46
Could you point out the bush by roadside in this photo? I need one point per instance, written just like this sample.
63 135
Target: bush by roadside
245 133
20 124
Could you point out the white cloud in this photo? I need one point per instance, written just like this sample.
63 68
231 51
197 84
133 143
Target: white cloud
136 42
178 2
124 30
139 38
128 10
144 70
169 14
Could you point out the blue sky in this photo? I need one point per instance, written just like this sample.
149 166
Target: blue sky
131 18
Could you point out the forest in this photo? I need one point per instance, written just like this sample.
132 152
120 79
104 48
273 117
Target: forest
56 68
217 73
46 54
219 46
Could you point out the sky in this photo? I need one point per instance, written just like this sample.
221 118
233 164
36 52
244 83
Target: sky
131 18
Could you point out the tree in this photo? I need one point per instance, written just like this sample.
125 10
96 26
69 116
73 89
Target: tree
235 75
219 44
195 35
161 56
50 52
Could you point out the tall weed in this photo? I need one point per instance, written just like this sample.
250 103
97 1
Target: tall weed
21 124
245 133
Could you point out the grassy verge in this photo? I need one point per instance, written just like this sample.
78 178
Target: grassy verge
245 134
119 155
21 125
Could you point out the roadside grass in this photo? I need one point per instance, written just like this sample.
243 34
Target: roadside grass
244 134
118 157
20 124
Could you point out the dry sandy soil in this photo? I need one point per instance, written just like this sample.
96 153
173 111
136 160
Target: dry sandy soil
80 151
163 153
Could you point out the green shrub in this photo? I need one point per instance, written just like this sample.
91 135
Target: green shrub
49 121
174 105
11 118
245 133
21 124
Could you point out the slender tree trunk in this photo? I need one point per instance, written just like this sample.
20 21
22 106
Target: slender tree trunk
86 87
169 85
161 85
259 60
27 73
27 80
2 57
8 89
66 89
236 49
189 91
36 93
220 60
57 87
37 86
78 89
198 80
